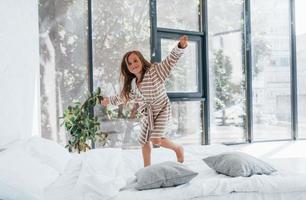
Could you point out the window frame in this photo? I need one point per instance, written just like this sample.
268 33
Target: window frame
198 40
203 94
158 33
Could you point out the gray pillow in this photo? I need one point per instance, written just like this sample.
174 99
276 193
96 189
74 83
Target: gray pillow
238 164
164 174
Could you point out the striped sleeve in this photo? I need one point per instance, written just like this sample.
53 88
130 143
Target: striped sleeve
164 68
118 100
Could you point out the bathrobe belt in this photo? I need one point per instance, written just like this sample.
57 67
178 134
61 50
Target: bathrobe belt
147 108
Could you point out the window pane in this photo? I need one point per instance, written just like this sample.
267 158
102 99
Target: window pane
226 66
187 119
301 64
122 131
183 14
185 126
118 27
184 77
271 69
63 61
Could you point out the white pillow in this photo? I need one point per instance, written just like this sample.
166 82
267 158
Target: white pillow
14 144
8 192
48 152
23 177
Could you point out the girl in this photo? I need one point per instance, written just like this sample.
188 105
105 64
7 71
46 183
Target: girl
144 83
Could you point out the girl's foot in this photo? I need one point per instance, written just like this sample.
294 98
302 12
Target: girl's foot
179 150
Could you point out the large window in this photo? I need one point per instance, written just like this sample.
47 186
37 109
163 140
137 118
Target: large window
63 61
300 15
271 69
118 26
184 86
227 73
239 55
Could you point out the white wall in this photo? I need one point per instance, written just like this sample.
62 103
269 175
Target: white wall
19 69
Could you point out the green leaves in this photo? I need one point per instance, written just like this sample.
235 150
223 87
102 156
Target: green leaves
81 125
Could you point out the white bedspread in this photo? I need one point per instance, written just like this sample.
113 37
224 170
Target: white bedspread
101 173
220 184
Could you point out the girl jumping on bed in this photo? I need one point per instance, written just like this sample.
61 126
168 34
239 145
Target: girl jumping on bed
144 83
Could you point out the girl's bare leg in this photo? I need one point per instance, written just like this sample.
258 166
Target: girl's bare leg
146 154
165 142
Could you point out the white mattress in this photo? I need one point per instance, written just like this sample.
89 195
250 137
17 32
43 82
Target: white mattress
257 196
64 187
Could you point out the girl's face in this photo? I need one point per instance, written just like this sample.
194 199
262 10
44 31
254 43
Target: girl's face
134 64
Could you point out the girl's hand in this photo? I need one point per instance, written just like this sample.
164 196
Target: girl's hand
183 42
105 101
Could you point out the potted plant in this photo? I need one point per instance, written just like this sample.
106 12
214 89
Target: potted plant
81 125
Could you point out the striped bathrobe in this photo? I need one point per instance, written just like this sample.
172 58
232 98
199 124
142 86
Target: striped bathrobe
154 104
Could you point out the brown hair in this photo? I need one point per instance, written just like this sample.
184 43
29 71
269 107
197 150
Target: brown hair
126 76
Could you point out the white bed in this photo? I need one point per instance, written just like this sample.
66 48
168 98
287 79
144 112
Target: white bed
99 174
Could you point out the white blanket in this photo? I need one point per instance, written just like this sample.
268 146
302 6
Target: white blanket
221 185
99 174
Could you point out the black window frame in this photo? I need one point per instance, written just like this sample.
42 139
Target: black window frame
203 93
158 33
199 94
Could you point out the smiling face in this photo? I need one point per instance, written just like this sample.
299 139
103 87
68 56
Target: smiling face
134 64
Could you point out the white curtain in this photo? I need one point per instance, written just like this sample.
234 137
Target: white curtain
19 70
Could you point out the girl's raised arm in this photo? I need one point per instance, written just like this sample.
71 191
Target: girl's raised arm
164 68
